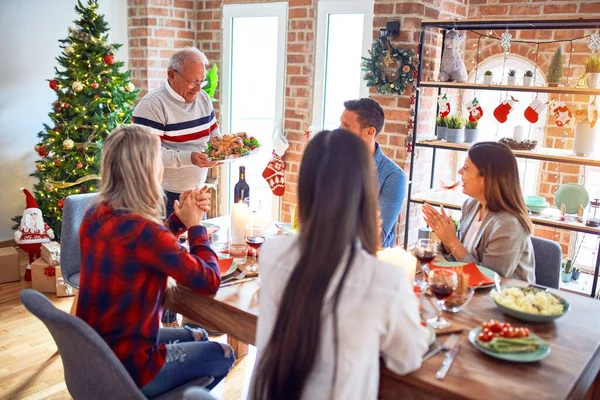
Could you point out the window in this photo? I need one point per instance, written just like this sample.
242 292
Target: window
344 34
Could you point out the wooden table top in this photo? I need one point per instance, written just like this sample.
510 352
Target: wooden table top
567 372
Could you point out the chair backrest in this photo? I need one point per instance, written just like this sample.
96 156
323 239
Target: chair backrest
92 371
548 256
73 211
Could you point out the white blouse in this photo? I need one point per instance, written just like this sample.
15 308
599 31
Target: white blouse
378 316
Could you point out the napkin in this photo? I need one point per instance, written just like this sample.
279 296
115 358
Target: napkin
476 278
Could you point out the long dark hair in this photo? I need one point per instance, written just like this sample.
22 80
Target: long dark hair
502 190
337 203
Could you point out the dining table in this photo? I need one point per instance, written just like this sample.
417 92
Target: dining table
570 371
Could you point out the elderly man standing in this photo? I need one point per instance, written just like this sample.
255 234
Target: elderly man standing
365 118
182 114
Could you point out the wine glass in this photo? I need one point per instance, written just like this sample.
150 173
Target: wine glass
426 250
442 283
255 236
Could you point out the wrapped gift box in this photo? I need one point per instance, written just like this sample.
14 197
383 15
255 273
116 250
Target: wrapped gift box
43 276
9 265
51 253
63 289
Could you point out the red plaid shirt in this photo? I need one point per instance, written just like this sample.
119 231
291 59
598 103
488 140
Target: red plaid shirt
125 262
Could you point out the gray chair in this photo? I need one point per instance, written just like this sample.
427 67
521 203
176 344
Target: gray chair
92 371
548 257
70 250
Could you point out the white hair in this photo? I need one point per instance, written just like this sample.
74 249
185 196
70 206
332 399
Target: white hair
178 58
32 222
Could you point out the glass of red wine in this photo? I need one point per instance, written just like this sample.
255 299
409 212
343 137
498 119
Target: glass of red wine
255 237
426 250
442 283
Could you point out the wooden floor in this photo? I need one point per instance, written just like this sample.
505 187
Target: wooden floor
30 367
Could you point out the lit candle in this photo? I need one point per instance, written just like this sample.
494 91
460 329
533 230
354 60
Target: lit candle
402 258
519 134
240 217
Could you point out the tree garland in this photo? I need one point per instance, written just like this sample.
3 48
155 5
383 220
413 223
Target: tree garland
389 69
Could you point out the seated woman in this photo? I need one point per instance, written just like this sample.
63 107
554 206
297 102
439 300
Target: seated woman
494 229
328 308
127 256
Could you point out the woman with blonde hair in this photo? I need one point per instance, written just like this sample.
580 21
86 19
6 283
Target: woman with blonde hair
494 229
328 308
127 254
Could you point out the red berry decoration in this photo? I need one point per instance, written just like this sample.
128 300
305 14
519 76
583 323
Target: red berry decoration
61 203
79 164
57 163
42 151
109 59
53 84
94 85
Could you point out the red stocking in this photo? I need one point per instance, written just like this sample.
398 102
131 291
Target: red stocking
274 175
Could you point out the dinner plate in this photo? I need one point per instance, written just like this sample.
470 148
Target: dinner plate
234 158
572 195
485 271
528 317
537 355
227 267
432 335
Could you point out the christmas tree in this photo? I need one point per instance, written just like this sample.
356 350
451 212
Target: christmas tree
93 98
555 68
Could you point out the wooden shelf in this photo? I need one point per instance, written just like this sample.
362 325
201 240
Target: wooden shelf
521 23
539 153
507 88
453 200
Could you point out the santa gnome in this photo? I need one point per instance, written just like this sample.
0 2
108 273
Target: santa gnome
32 232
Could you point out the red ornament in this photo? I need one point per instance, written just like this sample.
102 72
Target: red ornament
94 85
42 151
58 105
57 163
79 164
61 203
109 59
66 105
53 84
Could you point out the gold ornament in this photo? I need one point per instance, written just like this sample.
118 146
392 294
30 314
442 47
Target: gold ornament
68 144
77 86
130 87
64 185
387 59
40 167
49 186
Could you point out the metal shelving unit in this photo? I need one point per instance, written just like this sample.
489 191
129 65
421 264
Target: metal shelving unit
554 155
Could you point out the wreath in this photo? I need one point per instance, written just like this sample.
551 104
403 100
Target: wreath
388 68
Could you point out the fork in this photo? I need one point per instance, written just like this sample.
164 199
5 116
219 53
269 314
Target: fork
448 344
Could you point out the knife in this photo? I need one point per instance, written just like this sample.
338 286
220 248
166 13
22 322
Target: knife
237 281
450 356
436 349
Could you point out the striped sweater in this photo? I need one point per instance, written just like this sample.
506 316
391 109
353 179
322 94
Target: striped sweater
184 128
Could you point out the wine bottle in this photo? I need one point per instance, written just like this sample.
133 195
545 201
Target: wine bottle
241 189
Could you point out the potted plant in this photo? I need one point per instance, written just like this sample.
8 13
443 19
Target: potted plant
592 70
575 273
584 140
567 271
487 77
511 79
555 68
471 131
528 78
441 128
454 130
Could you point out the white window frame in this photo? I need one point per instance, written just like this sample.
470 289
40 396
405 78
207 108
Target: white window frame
326 8
231 11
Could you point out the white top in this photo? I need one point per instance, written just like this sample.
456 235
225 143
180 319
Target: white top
378 315
469 242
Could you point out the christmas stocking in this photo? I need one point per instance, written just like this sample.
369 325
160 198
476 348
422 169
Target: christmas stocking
532 113
474 109
444 105
562 114
501 112
274 176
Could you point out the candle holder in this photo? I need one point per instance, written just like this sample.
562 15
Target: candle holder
594 221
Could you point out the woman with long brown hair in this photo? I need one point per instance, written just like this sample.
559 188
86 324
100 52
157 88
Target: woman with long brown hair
328 307
495 229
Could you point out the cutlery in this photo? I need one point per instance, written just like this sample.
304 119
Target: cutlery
497 282
237 281
241 275
450 357
448 344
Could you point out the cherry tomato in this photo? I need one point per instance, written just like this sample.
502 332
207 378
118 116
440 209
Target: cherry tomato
506 325
508 332
485 337
526 332
486 330
496 326
519 332
486 325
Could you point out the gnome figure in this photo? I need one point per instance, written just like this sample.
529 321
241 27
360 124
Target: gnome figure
32 232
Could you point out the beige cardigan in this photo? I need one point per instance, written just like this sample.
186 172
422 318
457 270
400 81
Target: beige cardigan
501 244
378 316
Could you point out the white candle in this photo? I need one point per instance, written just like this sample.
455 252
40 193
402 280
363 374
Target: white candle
519 134
240 217
402 258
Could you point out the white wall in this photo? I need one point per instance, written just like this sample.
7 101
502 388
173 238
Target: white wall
29 32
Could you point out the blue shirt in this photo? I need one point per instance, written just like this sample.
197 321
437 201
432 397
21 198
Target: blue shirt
392 189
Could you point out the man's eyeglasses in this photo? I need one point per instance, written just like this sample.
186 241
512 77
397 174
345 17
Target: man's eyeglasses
192 84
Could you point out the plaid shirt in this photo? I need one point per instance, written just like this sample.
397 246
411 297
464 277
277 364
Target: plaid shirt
125 262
